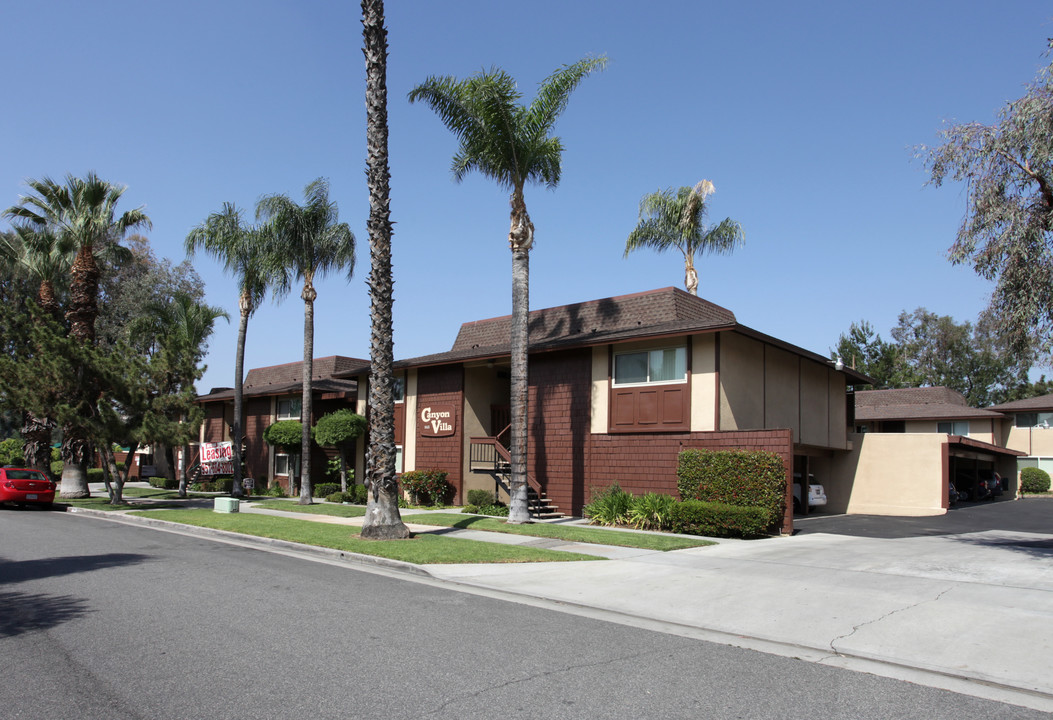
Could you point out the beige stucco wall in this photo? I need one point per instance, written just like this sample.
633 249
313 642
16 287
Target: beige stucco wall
409 437
703 383
1033 441
600 392
481 390
741 387
889 474
982 430
762 386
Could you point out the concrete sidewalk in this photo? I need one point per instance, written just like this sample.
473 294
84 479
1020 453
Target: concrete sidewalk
972 612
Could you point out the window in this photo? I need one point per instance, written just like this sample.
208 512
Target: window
894 426
399 389
956 427
285 464
1034 419
398 458
651 367
289 409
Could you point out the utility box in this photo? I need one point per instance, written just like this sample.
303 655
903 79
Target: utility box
226 505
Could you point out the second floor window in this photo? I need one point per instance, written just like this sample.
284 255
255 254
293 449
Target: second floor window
289 409
956 427
650 367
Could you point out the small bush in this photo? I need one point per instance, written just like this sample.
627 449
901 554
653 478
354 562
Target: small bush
274 490
734 477
11 452
322 490
426 487
359 493
339 497
480 498
1034 480
57 467
694 517
163 482
497 510
610 507
652 512
285 434
471 509
95 475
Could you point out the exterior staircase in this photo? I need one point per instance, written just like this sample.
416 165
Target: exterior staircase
489 455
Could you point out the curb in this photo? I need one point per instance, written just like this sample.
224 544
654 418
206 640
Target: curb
256 541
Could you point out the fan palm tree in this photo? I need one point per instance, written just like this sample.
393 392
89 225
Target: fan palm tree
304 242
383 520
675 220
224 236
82 213
512 145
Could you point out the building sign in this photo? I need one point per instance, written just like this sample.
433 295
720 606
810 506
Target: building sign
217 458
438 421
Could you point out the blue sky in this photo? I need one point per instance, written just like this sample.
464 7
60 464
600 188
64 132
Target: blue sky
805 116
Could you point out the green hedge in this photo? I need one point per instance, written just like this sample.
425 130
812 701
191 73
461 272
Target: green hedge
1034 480
734 477
695 517
322 490
164 483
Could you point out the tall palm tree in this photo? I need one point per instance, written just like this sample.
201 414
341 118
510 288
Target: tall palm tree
382 517
512 145
83 213
304 242
224 236
675 220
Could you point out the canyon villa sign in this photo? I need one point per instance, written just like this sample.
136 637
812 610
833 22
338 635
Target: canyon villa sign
438 421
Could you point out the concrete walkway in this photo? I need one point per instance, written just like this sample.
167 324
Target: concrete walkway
971 612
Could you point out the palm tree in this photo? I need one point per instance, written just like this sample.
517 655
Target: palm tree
383 520
303 243
223 236
82 213
510 144
676 220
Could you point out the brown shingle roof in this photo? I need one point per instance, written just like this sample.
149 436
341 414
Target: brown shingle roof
288 378
927 403
1042 402
657 312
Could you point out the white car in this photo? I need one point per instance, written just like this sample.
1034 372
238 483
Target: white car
816 494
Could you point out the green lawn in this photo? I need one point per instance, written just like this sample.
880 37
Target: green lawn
319 509
421 549
571 533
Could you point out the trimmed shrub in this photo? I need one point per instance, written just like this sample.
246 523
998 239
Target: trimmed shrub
359 494
652 511
734 477
95 475
471 509
480 498
426 487
160 481
497 510
285 434
11 452
56 468
339 497
322 490
274 490
694 517
609 507
1034 480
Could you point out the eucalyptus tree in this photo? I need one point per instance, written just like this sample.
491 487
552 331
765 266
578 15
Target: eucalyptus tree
1007 230
83 213
675 220
304 243
224 236
382 520
511 144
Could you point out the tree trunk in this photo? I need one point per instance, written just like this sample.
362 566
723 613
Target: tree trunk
76 453
521 238
309 295
690 275
383 520
36 442
343 469
245 306
116 491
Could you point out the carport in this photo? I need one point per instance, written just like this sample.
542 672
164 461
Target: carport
967 460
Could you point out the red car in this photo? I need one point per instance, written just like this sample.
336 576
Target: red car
26 486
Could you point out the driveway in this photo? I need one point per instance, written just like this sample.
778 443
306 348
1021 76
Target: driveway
1030 515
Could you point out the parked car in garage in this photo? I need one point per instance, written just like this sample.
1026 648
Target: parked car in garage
25 486
993 482
816 493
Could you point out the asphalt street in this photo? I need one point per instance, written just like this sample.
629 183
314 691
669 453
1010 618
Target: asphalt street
106 620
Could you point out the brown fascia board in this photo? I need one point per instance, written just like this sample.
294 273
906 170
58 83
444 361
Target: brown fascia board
272 390
918 412
979 445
